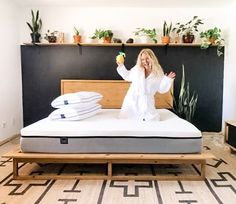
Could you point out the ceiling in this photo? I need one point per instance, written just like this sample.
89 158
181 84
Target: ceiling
130 3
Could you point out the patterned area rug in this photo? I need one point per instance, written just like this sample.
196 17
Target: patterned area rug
218 187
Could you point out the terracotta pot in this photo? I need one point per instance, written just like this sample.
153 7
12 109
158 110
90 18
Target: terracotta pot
77 38
107 40
212 40
165 39
188 38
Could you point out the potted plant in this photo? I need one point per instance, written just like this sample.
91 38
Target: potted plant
76 36
210 37
35 27
104 36
51 36
97 34
185 105
107 36
146 34
188 29
166 33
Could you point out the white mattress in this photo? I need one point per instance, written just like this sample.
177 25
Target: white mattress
106 133
107 123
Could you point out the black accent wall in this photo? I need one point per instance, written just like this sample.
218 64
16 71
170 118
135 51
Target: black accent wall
44 66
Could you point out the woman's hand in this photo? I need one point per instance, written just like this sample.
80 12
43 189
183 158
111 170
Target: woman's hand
120 60
171 75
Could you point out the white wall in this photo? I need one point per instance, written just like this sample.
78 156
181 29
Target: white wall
229 98
10 71
122 20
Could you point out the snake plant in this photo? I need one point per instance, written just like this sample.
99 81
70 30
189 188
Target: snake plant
167 29
36 22
185 105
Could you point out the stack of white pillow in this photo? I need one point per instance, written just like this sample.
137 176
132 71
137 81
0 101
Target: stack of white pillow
76 106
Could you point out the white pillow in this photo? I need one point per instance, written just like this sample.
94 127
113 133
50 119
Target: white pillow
79 99
69 113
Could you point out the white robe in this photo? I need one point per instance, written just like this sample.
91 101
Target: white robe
139 102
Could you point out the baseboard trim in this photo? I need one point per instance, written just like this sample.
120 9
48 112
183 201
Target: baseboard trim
9 139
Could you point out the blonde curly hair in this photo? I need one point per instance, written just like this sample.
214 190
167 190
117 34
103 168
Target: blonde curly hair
156 67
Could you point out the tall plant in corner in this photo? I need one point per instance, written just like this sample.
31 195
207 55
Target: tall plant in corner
35 27
185 105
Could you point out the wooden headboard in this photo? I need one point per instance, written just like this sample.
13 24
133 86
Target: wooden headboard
113 91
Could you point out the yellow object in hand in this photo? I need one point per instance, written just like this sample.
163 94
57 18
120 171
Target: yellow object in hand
120 58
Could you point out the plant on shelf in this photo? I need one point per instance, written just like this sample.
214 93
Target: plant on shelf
212 37
185 105
144 34
166 33
51 36
107 36
104 35
76 36
188 29
35 27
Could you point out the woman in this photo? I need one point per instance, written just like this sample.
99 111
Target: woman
147 78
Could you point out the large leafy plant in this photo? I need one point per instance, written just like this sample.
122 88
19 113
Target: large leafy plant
188 28
185 105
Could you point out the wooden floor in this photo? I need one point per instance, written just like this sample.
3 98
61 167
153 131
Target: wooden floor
218 187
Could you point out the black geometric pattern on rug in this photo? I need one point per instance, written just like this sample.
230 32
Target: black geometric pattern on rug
125 187
17 186
45 192
213 192
67 200
101 194
182 191
8 176
158 193
187 201
73 188
3 162
223 182
218 163
206 147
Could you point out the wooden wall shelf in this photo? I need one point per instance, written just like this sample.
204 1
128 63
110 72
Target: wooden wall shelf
117 44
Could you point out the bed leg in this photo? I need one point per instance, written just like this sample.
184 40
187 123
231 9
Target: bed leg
15 169
203 169
109 171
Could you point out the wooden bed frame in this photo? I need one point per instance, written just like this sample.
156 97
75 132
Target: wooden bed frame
113 92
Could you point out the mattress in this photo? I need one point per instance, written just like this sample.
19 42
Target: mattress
106 133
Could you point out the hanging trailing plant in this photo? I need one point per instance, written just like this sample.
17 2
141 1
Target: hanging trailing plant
210 37
151 33
185 105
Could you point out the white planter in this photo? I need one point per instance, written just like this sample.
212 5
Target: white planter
144 39
100 40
